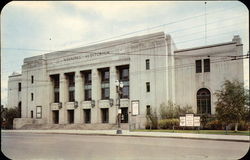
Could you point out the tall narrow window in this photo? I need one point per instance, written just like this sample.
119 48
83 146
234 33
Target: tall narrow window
147 64
71 86
198 66
38 111
32 96
148 86
105 84
87 86
124 77
55 80
203 101
206 65
148 110
19 87
31 114
32 79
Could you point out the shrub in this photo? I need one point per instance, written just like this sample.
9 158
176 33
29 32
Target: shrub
168 123
172 110
214 125
242 126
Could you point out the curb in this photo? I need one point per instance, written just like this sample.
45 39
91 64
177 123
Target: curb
146 136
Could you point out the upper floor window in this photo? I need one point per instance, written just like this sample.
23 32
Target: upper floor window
19 86
124 77
87 86
32 96
206 65
148 86
32 79
198 66
105 84
147 64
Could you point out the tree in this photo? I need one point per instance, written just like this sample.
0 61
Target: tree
232 103
8 115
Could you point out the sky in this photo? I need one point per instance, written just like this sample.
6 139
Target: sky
38 27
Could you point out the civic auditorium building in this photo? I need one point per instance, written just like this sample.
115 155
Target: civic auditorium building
77 86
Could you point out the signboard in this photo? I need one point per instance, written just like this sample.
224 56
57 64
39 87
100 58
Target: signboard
189 119
197 121
135 108
182 121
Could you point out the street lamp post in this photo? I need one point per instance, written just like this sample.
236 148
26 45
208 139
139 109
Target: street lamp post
119 86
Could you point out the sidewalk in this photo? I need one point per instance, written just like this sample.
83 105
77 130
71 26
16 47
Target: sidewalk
238 138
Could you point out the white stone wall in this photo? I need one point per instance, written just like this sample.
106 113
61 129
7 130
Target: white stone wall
222 68
14 95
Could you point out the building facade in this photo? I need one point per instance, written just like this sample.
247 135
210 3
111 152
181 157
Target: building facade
77 86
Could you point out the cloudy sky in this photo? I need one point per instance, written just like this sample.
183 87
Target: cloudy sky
33 28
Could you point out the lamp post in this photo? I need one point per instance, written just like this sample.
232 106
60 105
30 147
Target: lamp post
119 86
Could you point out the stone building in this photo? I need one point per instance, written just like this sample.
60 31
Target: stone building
77 86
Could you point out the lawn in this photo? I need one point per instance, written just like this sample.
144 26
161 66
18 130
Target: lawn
246 133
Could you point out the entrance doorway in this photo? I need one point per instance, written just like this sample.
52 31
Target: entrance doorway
124 118
87 115
55 117
70 116
105 115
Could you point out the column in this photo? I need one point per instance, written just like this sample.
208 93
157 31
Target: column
78 97
63 99
96 96
113 94
50 98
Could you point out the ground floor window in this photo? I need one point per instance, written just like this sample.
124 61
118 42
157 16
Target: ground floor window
31 114
203 101
124 118
55 117
87 115
70 116
105 115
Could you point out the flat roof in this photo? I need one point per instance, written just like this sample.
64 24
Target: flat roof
204 47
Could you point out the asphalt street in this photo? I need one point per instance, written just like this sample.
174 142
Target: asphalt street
92 147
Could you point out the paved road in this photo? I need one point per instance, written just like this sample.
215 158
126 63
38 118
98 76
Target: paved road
59 146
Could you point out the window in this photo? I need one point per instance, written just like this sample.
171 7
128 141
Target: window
206 65
87 115
105 84
19 86
31 114
124 77
105 115
147 64
148 110
198 66
148 86
71 86
38 111
71 96
203 101
87 86
32 79
56 88
32 96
